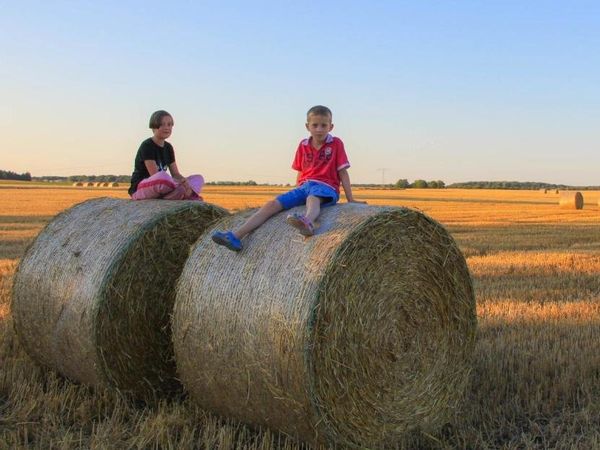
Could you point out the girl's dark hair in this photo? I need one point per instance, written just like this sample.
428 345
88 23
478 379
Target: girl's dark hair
156 118
319 110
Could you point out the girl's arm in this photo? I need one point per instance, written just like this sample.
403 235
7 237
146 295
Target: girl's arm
345 179
175 173
151 166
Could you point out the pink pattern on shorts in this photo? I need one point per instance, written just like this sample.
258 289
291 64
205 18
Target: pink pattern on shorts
163 185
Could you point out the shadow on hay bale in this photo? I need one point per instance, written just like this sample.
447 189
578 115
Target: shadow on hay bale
93 294
356 336
571 200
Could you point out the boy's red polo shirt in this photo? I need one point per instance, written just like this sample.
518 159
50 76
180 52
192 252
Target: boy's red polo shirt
321 165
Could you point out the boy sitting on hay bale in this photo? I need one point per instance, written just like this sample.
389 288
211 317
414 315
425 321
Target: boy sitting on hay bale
322 165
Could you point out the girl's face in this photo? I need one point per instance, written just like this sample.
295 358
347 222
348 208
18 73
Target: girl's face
165 129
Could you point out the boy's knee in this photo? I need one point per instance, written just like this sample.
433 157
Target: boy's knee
274 205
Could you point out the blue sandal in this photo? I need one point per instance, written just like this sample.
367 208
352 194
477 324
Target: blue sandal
227 239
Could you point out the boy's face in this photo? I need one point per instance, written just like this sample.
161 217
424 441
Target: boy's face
319 126
165 129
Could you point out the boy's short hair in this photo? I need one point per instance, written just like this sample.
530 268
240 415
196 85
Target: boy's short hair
319 110
156 118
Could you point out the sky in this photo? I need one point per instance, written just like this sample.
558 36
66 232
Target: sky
435 90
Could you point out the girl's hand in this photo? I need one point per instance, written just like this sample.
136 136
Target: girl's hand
357 201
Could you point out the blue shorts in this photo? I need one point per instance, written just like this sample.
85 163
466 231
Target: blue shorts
297 197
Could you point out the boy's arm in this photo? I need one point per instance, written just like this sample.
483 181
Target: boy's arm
345 180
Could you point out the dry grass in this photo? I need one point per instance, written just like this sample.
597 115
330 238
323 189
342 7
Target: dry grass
536 382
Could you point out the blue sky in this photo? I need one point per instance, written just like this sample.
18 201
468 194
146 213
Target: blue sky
450 90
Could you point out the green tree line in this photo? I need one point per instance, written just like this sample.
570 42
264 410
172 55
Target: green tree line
10 175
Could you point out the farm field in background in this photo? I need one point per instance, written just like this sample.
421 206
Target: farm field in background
536 370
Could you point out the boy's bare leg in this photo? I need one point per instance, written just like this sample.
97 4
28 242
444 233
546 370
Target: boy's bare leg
258 218
313 207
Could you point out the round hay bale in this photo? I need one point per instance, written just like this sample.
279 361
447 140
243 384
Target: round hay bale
114 184
93 294
98 184
544 191
571 200
89 184
78 184
353 337
105 184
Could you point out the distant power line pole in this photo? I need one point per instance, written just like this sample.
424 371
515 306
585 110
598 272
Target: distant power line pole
382 170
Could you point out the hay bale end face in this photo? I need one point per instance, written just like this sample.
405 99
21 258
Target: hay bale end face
78 184
93 294
571 200
354 337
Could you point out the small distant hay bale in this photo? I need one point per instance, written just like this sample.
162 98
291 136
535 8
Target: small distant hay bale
557 191
571 200
105 184
114 184
353 337
98 184
93 294
544 191
89 184
78 184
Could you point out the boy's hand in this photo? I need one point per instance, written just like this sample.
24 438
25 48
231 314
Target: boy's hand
357 201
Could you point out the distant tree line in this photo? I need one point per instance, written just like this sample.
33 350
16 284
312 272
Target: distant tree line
92 178
233 183
403 183
528 185
10 175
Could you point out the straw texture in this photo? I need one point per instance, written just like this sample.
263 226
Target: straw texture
353 337
93 294
571 200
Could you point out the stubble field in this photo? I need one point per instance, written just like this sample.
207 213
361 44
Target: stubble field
536 369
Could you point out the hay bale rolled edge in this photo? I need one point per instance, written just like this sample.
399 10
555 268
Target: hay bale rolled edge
571 200
272 336
93 293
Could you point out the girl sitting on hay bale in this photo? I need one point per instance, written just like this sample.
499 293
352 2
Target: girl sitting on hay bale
150 178
322 165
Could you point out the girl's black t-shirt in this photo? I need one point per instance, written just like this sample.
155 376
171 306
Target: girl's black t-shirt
163 156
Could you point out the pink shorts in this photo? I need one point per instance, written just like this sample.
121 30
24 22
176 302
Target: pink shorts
163 185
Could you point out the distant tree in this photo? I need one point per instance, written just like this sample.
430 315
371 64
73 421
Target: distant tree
402 183
419 184
433 184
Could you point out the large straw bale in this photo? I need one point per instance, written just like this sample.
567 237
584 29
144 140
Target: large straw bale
78 184
114 184
93 294
352 337
571 200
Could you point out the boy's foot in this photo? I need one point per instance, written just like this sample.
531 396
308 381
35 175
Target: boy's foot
302 224
227 239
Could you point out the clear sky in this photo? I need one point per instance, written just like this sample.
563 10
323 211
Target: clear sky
450 90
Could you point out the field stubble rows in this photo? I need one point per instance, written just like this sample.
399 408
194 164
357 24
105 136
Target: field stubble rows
536 370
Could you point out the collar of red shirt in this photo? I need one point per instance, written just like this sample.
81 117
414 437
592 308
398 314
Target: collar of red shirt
328 139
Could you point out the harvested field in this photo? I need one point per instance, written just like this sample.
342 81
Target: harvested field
535 382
